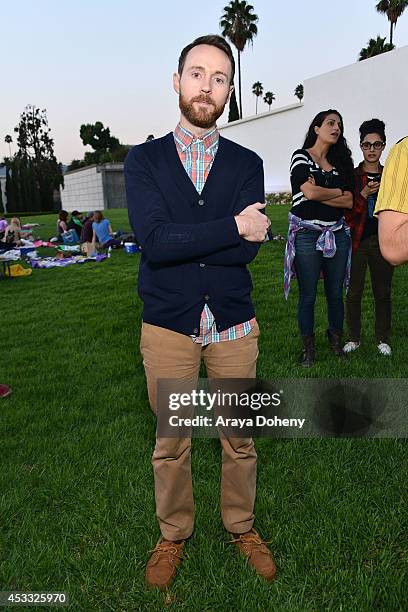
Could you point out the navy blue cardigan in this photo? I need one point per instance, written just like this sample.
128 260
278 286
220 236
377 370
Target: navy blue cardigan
192 253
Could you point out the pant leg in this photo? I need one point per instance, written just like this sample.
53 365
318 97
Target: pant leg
355 293
381 273
334 269
308 263
236 359
167 354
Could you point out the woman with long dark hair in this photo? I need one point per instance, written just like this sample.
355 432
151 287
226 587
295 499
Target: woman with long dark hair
366 248
321 174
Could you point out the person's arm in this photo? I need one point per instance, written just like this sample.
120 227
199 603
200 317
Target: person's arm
110 230
393 236
319 194
243 253
343 201
392 206
93 240
164 241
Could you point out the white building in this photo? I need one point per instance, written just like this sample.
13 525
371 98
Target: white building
94 188
376 87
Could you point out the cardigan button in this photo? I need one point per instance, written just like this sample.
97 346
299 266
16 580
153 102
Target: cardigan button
201 202
202 265
206 297
195 331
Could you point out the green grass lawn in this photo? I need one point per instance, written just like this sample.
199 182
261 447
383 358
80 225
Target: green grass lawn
77 434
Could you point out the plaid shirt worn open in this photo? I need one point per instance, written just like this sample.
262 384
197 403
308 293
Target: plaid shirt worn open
197 156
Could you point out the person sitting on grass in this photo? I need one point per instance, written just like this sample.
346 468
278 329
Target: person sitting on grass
15 235
87 236
3 227
62 224
76 223
102 232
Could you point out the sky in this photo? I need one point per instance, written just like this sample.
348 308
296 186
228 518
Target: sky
87 61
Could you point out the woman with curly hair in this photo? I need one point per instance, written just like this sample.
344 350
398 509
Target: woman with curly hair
366 248
318 243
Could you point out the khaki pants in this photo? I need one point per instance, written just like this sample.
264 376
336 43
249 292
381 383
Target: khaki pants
167 354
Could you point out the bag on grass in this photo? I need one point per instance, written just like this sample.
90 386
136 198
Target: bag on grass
70 237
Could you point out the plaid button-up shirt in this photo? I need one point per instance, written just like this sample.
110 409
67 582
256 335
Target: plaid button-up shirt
197 156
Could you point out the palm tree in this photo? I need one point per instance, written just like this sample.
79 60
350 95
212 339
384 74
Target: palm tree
375 47
8 139
269 97
299 92
238 24
257 90
393 9
233 114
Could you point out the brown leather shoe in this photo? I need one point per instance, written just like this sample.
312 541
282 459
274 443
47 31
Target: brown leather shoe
257 554
163 563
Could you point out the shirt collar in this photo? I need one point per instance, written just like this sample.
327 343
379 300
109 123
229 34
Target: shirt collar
184 138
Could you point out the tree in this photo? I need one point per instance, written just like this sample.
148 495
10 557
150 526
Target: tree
75 164
8 139
257 90
1 199
375 47
393 9
99 138
9 191
299 92
238 24
35 172
233 114
268 98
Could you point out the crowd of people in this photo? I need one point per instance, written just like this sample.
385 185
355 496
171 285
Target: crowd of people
91 231
333 233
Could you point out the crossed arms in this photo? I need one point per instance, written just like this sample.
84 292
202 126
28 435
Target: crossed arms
226 241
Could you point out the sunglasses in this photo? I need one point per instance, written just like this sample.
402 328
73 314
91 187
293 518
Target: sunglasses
375 145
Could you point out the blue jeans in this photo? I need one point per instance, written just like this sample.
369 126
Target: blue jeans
309 263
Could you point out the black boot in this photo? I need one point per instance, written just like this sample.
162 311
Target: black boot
307 357
335 342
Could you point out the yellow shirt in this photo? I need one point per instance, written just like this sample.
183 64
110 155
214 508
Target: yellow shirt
393 194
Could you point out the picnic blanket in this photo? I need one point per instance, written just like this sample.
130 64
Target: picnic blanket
53 262
11 255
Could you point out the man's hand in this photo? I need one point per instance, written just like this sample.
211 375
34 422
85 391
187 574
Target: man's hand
370 189
252 224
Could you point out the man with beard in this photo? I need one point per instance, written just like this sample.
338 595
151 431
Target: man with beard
194 201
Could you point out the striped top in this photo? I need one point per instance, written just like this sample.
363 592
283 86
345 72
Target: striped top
302 166
197 156
393 194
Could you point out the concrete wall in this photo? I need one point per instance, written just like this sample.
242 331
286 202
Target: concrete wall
94 188
114 186
377 87
83 190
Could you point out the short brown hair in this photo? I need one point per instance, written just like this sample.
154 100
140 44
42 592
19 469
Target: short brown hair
98 216
213 40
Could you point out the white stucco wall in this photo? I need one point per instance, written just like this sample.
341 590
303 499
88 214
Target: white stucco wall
83 190
377 87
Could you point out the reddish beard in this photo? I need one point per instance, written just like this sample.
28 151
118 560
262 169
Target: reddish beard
202 117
